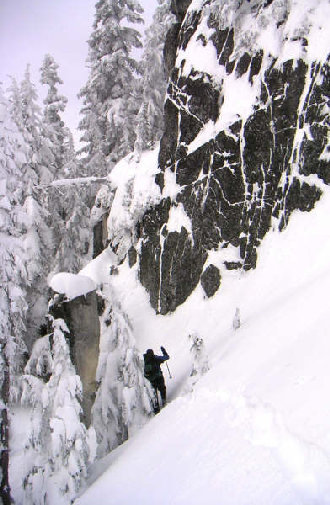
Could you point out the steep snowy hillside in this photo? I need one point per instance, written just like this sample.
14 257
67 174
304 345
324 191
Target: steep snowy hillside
222 255
255 428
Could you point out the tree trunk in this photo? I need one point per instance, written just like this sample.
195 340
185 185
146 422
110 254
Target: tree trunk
4 433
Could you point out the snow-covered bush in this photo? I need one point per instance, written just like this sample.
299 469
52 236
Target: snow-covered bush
122 402
200 363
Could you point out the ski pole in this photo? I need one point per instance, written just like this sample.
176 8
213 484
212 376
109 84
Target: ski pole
169 373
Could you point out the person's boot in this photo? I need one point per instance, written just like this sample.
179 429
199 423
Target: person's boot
156 403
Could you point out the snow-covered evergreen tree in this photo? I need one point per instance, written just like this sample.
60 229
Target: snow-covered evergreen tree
54 128
57 217
15 103
21 112
73 244
31 112
38 246
34 175
59 444
41 156
71 165
150 117
67 209
12 277
123 400
26 113
110 105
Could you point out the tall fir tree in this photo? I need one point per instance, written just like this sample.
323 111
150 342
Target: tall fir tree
110 103
41 155
55 103
12 278
26 113
73 249
15 103
65 206
35 173
150 117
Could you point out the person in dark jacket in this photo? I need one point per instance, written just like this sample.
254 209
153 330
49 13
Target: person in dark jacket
153 373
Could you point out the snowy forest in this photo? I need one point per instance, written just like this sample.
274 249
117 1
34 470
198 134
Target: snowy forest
194 215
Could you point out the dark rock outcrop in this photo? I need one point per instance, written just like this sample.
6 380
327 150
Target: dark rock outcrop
179 8
210 280
252 173
81 317
100 235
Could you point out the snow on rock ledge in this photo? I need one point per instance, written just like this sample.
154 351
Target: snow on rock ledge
133 180
71 285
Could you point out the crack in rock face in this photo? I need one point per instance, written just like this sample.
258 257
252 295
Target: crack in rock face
246 137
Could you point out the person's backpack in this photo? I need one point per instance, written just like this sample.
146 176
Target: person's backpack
151 368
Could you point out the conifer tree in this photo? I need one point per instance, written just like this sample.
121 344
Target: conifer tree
41 156
71 166
150 117
73 250
63 215
38 238
15 103
58 443
122 401
26 113
31 113
55 103
12 278
110 106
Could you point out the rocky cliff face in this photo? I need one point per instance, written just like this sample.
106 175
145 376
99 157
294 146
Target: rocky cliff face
246 120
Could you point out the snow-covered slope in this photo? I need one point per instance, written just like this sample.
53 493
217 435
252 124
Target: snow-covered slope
255 428
242 183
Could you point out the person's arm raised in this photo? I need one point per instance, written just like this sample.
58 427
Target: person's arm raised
165 354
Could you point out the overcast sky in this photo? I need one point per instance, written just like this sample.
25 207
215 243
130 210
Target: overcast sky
29 29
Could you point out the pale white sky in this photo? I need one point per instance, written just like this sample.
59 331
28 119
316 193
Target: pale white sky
31 28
